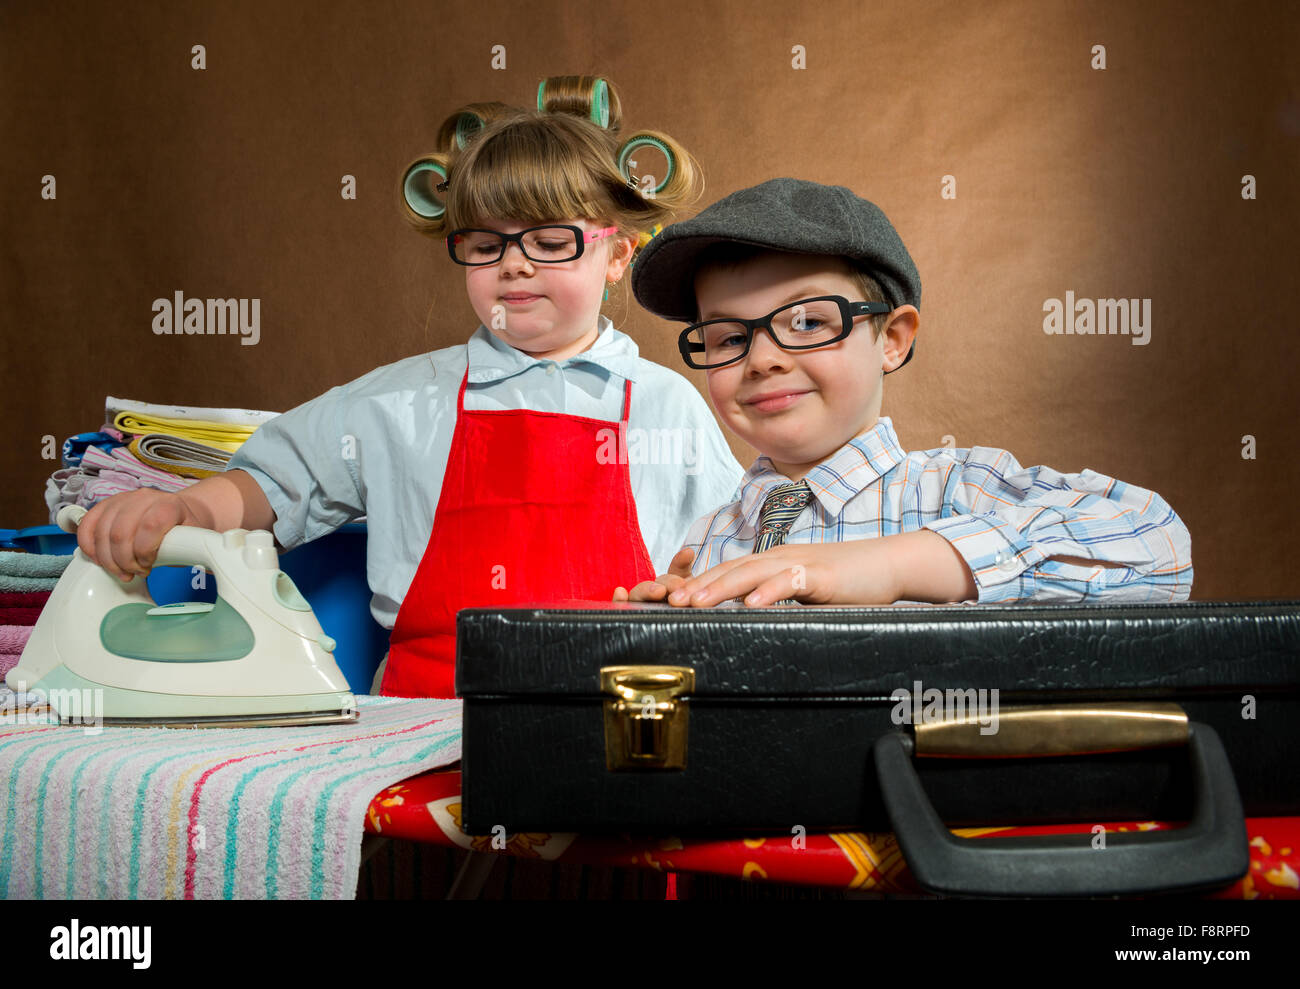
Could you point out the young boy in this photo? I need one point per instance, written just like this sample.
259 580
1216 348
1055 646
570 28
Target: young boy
773 280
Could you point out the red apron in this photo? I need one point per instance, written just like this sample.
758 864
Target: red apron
528 515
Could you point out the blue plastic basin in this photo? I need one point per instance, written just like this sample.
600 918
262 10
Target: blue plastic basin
330 573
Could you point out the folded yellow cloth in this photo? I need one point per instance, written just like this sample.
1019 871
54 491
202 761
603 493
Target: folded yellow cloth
217 434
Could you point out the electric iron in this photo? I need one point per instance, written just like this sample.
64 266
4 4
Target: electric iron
102 651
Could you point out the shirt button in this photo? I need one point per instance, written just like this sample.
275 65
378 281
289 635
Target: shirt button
1006 560
550 368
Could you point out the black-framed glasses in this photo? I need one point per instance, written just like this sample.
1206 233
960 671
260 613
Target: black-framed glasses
552 244
803 325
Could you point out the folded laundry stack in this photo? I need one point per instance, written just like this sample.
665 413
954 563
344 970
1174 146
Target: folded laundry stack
26 580
145 445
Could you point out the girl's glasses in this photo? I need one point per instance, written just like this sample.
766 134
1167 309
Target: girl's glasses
552 244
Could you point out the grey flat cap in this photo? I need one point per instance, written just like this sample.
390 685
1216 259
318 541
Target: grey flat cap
785 215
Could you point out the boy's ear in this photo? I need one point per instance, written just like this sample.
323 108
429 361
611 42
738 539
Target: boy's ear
899 334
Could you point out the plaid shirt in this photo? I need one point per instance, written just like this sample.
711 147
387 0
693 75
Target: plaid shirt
1006 521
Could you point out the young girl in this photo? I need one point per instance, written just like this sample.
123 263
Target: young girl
511 469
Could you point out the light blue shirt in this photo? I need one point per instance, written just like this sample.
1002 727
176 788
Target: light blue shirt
1008 522
378 447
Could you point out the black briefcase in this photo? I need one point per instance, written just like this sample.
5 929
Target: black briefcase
653 720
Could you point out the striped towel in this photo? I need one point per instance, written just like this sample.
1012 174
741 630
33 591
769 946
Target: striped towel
248 813
122 461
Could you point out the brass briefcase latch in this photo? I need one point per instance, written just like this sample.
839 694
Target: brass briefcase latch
645 716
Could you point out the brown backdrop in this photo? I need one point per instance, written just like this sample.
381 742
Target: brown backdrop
1117 182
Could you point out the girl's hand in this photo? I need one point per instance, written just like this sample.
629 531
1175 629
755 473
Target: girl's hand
679 571
122 533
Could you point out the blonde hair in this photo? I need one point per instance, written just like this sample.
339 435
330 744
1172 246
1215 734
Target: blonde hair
563 160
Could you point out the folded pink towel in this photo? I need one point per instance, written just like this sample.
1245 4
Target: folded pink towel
8 660
14 637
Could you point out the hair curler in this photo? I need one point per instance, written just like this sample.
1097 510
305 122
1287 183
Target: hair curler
420 182
462 126
637 141
588 96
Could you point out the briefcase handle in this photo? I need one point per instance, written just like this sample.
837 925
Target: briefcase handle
1210 851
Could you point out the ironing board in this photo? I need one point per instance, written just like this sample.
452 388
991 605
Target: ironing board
426 808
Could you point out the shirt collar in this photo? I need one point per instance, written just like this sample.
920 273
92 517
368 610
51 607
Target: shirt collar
490 359
854 466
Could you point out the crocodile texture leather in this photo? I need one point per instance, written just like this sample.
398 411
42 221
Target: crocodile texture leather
788 703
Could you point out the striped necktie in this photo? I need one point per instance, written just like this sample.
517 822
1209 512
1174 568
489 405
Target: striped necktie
780 509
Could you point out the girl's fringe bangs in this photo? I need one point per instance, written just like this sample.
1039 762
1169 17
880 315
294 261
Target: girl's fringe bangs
509 178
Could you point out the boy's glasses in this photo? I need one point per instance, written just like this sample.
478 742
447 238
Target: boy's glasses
803 325
553 244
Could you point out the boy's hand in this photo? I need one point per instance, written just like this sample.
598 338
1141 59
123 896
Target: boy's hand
679 570
913 566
